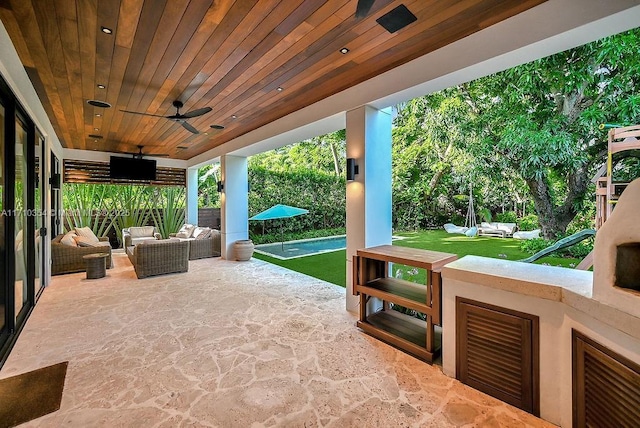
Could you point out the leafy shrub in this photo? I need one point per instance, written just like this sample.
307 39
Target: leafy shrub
322 194
532 246
578 251
528 222
506 217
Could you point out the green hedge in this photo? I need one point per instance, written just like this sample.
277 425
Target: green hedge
322 194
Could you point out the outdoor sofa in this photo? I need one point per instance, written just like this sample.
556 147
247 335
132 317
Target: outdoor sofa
203 241
159 257
68 258
503 230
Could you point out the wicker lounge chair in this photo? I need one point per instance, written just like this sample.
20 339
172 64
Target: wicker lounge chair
203 248
68 259
159 257
137 234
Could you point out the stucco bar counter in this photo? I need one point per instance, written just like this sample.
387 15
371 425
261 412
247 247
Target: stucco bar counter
531 334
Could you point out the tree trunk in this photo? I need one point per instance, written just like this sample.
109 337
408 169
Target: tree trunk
336 161
554 220
551 226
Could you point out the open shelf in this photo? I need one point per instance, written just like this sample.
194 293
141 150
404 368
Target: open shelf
404 293
370 279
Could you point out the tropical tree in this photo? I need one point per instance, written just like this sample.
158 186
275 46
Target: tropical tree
541 120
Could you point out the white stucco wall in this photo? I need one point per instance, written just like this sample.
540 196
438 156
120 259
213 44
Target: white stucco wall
558 315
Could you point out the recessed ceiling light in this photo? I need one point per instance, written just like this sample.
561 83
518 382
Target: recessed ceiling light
106 30
205 133
344 51
96 129
218 126
233 116
279 89
98 115
101 86
97 103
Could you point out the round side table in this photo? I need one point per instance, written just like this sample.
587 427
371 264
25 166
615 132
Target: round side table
96 265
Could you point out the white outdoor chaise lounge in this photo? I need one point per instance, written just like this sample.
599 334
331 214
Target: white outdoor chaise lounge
452 228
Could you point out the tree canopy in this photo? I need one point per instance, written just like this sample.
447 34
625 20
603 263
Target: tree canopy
523 139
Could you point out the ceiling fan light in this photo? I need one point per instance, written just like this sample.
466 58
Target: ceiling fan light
98 103
344 51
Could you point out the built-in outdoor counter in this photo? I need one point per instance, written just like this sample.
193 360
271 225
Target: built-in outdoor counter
517 331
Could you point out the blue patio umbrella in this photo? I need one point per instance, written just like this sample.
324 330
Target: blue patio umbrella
279 211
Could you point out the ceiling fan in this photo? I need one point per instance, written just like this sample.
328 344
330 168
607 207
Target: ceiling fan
139 154
178 117
363 8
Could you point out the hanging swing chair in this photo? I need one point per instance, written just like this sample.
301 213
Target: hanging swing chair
470 221
470 227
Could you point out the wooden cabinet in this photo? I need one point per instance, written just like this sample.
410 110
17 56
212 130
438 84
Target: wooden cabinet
606 386
497 352
371 279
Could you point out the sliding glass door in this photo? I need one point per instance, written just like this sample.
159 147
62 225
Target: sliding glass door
20 215
22 245
4 292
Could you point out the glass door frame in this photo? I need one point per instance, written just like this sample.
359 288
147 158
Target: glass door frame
14 322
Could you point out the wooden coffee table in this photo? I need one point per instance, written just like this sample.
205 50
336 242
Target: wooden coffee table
96 265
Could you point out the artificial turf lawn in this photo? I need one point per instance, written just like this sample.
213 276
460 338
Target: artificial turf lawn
331 267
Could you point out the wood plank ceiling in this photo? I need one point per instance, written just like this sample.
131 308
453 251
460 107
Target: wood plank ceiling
230 55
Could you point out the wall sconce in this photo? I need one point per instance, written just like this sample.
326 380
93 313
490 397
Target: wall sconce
220 186
352 169
54 180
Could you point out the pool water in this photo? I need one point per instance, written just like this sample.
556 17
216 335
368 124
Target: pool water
306 247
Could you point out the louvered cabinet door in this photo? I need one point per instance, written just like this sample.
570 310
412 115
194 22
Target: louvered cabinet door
497 352
606 386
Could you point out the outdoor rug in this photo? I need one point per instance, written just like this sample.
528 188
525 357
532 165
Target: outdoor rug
30 395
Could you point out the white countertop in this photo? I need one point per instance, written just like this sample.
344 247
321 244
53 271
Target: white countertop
570 286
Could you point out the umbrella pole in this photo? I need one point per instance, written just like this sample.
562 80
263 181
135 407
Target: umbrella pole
281 237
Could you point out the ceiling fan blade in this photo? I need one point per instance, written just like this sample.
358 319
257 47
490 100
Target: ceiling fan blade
197 112
143 114
363 8
190 128
157 155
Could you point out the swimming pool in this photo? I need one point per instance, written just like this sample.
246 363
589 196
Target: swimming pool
302 248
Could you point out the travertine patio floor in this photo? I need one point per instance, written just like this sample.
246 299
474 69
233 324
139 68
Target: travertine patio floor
232 344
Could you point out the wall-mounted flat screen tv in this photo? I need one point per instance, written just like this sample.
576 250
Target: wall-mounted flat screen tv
121 168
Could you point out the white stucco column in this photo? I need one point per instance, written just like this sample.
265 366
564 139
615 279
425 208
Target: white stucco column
192 196
234 203
369 195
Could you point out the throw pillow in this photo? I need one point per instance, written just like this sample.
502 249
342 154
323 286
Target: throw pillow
183 235
83 241
87 233
186 229
204 234
69 239
197 231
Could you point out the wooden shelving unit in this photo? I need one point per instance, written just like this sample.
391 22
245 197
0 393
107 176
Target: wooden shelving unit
371 279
